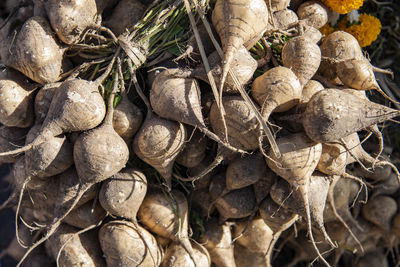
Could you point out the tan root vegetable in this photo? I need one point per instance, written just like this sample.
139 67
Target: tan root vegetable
277 90
238 22
127 244
245 257
123 193
284 19
218 241
125 15
380 211
167 215
70 18
10 137
35 52
176 256
302 57
313 13
72 249
16 100
243 65
86 215
263 185
194 151
43 100
332 114
299 159
277 5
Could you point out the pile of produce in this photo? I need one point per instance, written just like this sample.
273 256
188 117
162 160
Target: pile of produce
192 133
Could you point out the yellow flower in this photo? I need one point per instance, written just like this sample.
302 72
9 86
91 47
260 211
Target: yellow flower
343 6
326 29
367 30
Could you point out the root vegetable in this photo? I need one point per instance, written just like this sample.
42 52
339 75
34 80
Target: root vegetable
76 106
238 22
243 65
16 100
178 99
127 118
127 244
70 18
302 57
218 241
263 185
194 151
299 159
10 137
123 193
241 123
388 186
236 204
43 100
333 159
380 211
313 13
284 19
256 236
35 52
312 34
245 171
278 5
277 90
167 215
310 88
176 256
201 200
86 215
48 158
333 114
126 14
73 249
244 257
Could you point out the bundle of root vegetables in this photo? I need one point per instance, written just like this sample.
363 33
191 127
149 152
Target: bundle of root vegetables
192 133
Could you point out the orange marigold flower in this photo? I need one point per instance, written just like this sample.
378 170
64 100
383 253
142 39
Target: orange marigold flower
343 6
326 29
367 30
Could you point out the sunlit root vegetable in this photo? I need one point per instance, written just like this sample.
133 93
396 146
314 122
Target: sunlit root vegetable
238 22
86 215
299 159
70 18
35 52
302 57
218 241
313 13
72 249
43 100
332 114
123 193
284 18
166 214
176 256
278 5
127 244
16 100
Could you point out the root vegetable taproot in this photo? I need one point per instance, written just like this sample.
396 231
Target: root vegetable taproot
302 57
166 214
217 239
10 137
277 90
123 193
313 13
194 151
380 211
299 159
35 52
70 18
176 255
332 114
127 244
43 100
238 22
73 249
16 100
126 14
179 99
90 213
